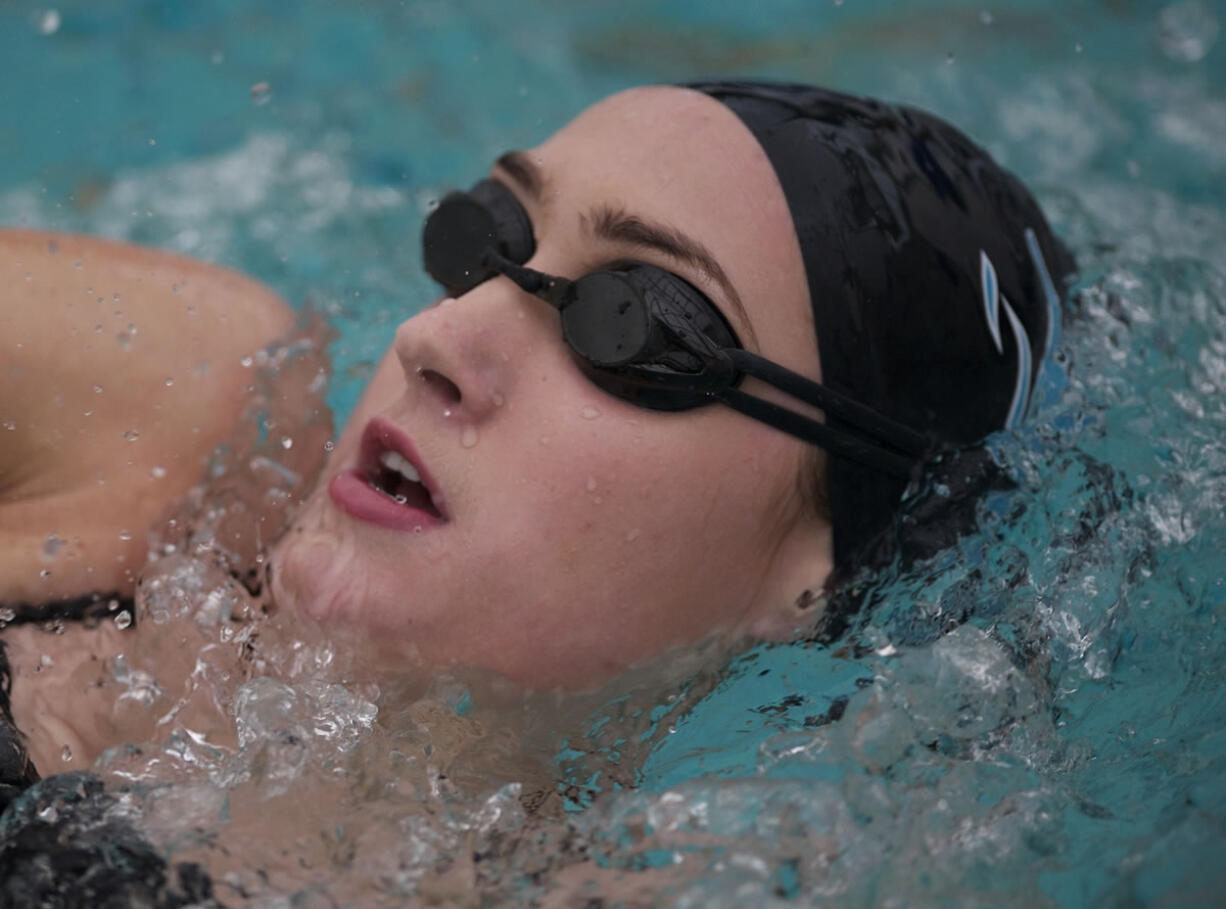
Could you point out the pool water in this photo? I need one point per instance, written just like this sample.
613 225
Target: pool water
1037 717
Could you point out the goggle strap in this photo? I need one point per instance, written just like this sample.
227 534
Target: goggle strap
841 444
549 288
861 417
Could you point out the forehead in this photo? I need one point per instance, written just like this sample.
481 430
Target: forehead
681 158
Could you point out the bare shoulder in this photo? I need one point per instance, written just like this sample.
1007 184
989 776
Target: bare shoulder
121 367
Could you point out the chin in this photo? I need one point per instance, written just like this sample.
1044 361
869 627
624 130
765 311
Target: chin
313 576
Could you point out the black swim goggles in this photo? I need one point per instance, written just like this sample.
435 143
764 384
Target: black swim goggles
647 336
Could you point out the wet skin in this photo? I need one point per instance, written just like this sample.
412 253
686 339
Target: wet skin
577 534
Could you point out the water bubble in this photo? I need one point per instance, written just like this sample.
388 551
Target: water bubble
1078 48
950 58
125 535
217 57
153 141
131 435
123 620
47 21
158 471
468 437
985 16
590 413
1187 30
66 754
53 546
261 93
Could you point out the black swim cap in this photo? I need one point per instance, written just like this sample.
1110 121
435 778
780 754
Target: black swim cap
933 275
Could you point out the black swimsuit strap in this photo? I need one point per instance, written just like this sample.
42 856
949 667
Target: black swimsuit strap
74 609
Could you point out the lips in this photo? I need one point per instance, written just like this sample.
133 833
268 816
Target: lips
389 486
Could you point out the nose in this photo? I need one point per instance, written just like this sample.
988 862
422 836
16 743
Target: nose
465 357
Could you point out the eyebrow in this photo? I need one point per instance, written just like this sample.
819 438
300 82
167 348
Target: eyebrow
618 226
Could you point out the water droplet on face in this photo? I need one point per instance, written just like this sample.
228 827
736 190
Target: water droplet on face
545 440
7 615
123 620
468 437
590 412
87 413
76 264
246 362
633 535
329 445
446 413
261 92
10 425
98 329
125 535
287 443
45 661
417 528
498 399
124 339
591 484
169 382
158 472
45 573
53 546
400 500
131 435
66 755
97 389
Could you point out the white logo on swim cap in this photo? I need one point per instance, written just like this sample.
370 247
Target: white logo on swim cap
993 301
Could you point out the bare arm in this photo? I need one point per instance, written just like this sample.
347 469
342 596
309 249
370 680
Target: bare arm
120 369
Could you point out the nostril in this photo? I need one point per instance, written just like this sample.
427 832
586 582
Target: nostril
440 385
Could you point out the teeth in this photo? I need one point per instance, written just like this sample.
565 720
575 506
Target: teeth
393 460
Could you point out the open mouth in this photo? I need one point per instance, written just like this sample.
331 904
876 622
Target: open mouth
396 477
389 485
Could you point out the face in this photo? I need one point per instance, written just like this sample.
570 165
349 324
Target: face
576 534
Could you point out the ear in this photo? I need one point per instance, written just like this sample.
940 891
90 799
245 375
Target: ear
794 592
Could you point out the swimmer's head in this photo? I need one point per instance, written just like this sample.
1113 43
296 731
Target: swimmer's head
496 502
934 278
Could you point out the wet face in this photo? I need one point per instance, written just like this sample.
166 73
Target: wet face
568 534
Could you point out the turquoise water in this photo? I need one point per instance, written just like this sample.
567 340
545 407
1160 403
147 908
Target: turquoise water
1035 719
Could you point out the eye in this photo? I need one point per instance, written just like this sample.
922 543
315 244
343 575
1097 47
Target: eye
457 233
